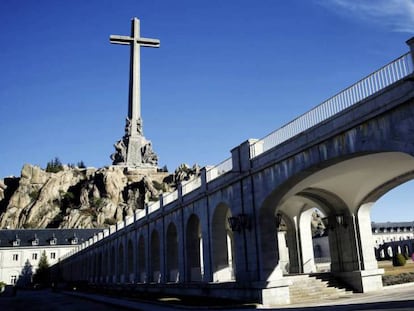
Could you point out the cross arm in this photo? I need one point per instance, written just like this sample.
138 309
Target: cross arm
120 39
155 43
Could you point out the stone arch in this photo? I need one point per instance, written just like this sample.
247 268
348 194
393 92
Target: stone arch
99 267
406 249
105 264
172 253
194 249
295 212
121 261
112 264
223 254
155 257
130 261
142 266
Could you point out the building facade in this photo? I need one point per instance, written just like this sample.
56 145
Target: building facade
20 250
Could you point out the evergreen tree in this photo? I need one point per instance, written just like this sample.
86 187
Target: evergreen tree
54 166
42 274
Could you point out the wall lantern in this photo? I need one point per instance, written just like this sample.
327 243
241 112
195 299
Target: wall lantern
340 220
278 220
239 222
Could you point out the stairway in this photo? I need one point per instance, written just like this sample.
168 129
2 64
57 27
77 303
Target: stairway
315 287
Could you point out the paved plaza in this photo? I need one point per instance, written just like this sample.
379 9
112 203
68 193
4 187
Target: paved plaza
398 298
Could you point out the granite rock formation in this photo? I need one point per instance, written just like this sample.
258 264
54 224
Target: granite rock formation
81 197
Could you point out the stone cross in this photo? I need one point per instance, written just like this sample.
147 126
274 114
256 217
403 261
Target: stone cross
133 149
135 42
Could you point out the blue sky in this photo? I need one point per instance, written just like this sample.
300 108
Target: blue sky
226 71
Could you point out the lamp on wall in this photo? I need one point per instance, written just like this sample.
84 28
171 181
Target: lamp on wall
239 222
278 220
341 220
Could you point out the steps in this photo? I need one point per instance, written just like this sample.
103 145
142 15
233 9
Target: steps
315 287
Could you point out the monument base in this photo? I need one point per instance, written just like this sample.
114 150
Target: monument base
275 292
363 281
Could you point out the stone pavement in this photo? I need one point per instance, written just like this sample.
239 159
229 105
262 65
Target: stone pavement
397 298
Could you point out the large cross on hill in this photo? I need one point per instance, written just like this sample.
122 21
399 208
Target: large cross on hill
132 150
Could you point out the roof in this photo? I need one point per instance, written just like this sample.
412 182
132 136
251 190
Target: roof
28 237
389 225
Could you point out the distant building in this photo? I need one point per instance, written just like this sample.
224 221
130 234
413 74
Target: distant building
20 250
393 237
388 238
384 232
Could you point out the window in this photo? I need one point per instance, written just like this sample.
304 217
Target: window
13 279
15 258
53 241
35 242
52 255
16 242
34 256
74 240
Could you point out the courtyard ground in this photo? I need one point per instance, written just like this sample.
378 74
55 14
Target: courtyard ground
389 269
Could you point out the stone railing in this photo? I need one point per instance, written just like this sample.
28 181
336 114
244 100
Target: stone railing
220 169
191 185
375 82
169 197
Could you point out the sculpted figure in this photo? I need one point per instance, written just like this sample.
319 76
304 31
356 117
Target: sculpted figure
148 155
120 152
127 127
139 127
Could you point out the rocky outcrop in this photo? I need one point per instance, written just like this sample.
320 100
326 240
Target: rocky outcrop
82 197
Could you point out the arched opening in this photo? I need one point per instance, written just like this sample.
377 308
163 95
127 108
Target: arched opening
293 230
99 268
112 264
222 245
320 241
106 271
155 257
194 249
172 254
142 271
121 263
392 215
130 260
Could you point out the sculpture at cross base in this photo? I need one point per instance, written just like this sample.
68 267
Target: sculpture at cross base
134 150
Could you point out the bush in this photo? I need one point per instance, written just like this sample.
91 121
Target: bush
109 221
398 260
34 194
98 202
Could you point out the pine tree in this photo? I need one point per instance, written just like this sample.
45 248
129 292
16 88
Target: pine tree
42 274
54 166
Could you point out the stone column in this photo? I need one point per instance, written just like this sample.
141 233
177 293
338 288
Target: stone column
352 253
410 43
308 259
241 156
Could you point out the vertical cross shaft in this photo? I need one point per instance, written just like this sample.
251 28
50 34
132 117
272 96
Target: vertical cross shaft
134 102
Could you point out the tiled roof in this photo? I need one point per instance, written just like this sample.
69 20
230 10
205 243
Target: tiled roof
28 237
394 225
